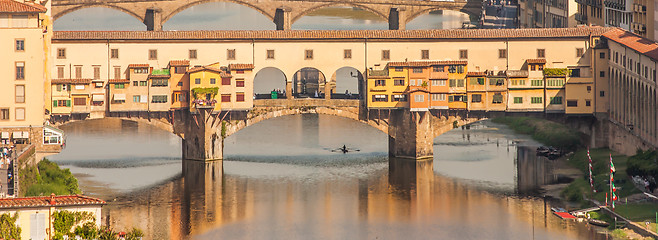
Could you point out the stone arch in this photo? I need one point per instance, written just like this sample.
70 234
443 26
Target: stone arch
155 122
194 3
356 87
383 15
302 82
73 9
260 91
414 15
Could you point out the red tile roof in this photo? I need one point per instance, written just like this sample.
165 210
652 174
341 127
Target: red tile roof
179 63
49 201
535 61
424 63
201 68
225 75
11 6
138 65
635 42
118 81
71 81
579 32
241 66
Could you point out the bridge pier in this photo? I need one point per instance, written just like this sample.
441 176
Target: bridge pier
411 135
153 19
397 19
203 136
283 18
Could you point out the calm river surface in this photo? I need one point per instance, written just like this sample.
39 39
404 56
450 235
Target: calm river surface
281 181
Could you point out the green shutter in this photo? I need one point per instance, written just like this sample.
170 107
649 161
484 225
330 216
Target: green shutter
68 103
54 103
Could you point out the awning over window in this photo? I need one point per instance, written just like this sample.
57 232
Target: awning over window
98 98
119 97
4 135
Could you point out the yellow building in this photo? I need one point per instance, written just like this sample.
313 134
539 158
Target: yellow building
179 83
205 82
457 98
387 88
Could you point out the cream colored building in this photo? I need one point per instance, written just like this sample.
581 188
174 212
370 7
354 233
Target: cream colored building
547 14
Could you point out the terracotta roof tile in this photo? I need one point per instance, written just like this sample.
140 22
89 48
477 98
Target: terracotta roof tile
241 66
71 81
12 6
49 201
332 34
138 65
424 63
201 68
635 42
118 81
535 61
179 63
225 75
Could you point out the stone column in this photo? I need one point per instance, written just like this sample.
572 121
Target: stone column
282 18
203 136
410 135
397 19
153 19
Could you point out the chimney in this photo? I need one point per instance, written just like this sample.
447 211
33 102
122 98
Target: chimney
52 199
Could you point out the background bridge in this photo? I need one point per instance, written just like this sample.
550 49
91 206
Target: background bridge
154 13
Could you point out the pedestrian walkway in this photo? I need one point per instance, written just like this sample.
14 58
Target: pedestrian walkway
500 16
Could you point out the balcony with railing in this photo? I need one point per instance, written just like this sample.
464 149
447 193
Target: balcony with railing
581 18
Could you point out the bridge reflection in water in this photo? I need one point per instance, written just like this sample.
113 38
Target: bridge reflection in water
407 201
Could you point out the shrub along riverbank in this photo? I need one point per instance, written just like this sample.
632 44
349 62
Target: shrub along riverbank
47 178
544 131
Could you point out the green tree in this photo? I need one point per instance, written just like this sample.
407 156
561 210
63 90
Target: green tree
8 228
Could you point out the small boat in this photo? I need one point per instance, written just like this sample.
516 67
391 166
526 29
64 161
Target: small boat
345 149
599 223
562 213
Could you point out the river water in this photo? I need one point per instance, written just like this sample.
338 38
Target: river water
280 180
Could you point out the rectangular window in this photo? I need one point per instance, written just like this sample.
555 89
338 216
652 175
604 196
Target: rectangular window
143 83
20 45
602 93
78 72
79 101
502 53
347 53
179 70
476 98
20 114
4 113
19 21
536 100
159 82
135 83
136 98
239 97
572 103
555 82
399 98
418 70
213 81
436 69
61 53
226 97
239 82
117 72
463 54
308 54
97 72
602 74
442 82
497 98
197 81
119 86
192 54
476 81
435 82
589 89
541 53
580 52
20 93
588 103
460 82
518 100
153 54
602 55
556 100
537 82
60 72
159 99
114 53
399 69
20 70
424 54
419 98
453 83
380 98
270 54
386 54
398 82
380 82
230 54
226 81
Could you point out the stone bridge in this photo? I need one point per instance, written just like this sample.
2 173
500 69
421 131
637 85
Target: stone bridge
154 13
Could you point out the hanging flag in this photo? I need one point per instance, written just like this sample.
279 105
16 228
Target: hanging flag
613 195
591 180
612 165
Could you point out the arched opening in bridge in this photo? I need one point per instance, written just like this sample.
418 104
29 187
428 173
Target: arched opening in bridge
438 19
346 83
340 18
268 82
309 82
98 18
207 15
